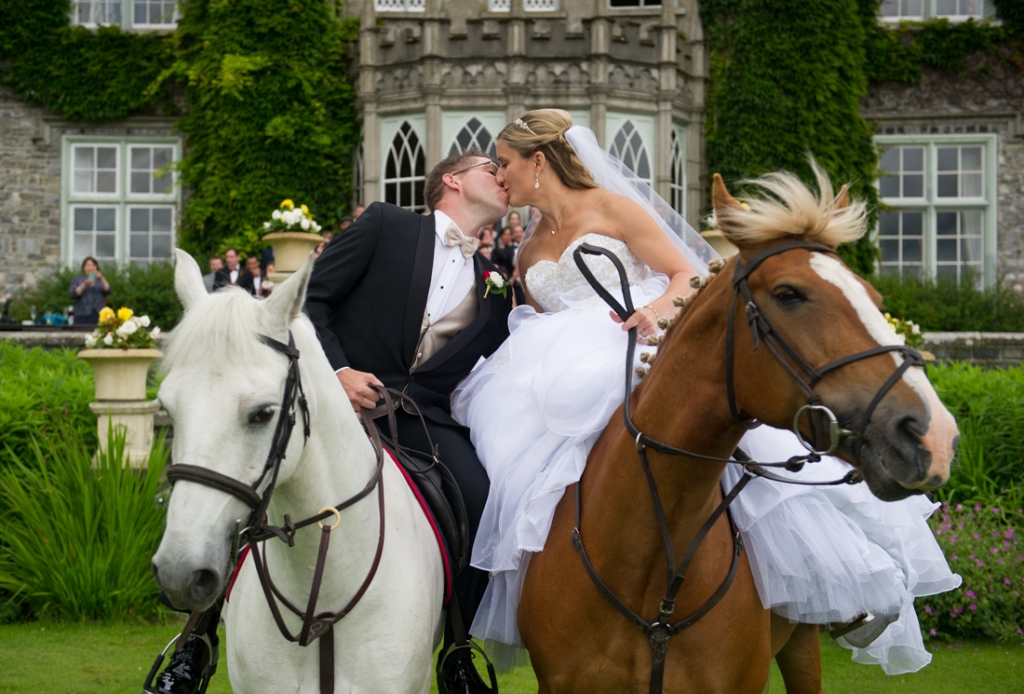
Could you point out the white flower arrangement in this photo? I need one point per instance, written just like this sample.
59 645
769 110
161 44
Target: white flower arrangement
122 330
288 217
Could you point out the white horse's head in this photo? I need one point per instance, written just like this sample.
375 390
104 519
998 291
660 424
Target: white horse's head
223 389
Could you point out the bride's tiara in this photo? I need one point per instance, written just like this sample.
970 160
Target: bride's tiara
521 124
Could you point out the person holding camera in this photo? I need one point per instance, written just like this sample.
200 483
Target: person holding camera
88 291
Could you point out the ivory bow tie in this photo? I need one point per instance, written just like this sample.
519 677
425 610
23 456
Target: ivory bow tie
454 237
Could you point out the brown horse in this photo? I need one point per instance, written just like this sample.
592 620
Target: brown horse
577 640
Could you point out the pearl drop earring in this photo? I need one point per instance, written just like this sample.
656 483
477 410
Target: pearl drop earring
536 181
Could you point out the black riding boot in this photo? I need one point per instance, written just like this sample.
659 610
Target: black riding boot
192 666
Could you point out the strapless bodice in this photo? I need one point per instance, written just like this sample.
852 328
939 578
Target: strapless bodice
550 283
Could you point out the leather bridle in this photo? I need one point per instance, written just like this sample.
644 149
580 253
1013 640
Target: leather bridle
257 529
823 421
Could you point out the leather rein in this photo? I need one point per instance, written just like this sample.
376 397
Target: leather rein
823 423
257 529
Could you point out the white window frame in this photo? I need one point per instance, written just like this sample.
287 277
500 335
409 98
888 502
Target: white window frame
389 127
644 125
121 200
452 123
128 257
154 197
931 204
127 18
929 10
642 4
499 5
540 5
399 5
677 145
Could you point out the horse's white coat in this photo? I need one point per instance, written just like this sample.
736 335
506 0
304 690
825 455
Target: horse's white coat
385 644
942 429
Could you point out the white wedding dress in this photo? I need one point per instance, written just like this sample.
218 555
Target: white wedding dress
537 406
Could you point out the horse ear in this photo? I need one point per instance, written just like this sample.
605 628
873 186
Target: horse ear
285 303
188 279
843 199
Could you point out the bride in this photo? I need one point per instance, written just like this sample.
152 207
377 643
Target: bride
538 404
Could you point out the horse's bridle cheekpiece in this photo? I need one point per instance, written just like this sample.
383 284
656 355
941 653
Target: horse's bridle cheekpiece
257 530
824 427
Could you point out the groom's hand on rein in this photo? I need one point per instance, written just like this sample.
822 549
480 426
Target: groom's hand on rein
357 385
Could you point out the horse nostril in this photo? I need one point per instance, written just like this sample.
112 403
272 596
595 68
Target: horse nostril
910 426
204 584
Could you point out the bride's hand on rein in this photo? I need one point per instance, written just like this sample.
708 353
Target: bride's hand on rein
644 319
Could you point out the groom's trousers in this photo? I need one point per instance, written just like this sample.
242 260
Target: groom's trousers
457 453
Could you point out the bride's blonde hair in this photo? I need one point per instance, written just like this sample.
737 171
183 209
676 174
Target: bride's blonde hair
543 130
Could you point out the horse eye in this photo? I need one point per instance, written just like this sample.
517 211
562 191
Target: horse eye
787 296
262 416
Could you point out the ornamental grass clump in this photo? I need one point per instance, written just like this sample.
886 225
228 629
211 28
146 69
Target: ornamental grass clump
77 532
122 330
288 217
981 544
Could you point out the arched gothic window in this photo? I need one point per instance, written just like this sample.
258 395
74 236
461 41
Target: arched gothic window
358 176
678 185
629 148
473 134
404 170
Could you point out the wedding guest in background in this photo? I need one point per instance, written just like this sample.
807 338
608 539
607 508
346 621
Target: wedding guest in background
517 235
215 264
504 253
233 275
514 220
327 236
89 291
261 286
345 223
358 211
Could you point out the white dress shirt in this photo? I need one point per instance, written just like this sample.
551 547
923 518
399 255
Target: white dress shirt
452 276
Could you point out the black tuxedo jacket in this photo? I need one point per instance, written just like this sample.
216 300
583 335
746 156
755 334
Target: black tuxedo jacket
367 295
222 278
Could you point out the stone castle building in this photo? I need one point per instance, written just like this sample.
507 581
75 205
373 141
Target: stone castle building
435 76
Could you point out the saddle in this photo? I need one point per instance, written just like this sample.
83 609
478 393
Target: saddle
433 482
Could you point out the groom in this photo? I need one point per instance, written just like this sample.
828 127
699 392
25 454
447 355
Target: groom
400 300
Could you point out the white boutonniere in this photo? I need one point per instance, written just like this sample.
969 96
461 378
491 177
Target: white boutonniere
495 283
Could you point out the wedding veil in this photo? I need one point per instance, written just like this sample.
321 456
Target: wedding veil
611 174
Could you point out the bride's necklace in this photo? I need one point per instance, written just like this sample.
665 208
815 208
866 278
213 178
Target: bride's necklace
560 215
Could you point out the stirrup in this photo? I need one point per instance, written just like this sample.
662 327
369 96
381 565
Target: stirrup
470 646
844 628
147 685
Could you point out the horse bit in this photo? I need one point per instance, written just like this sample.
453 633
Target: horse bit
258 530
822 420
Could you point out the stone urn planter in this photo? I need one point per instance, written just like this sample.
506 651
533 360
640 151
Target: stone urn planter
719 243
291 249
120 376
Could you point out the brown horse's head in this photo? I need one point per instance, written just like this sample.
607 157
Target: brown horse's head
825 312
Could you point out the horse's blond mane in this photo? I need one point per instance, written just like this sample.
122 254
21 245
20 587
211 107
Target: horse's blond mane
225 323
787 208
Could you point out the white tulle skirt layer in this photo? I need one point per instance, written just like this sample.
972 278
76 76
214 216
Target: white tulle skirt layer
536 407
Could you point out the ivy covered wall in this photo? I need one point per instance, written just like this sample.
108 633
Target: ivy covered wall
271 114
787 77
260 90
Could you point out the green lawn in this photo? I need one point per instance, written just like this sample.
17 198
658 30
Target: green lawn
49 658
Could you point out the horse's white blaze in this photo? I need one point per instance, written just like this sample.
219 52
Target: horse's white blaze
942 429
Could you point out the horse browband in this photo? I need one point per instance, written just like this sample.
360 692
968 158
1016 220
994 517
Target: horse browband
659 630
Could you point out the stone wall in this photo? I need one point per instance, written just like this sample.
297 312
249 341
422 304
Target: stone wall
1004 350
29 195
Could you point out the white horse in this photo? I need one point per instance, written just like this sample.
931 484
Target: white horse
223 389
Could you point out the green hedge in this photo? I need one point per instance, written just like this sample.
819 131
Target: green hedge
42 393
945 306
989 407
149 291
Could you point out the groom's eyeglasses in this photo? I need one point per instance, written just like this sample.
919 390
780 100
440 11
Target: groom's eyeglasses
493 171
